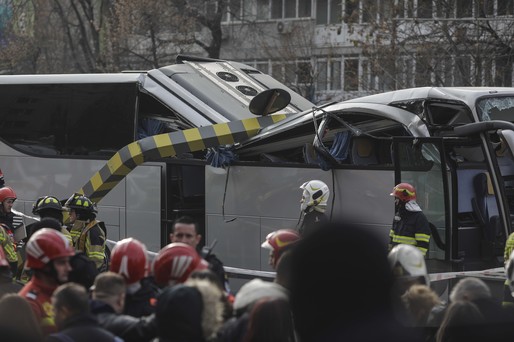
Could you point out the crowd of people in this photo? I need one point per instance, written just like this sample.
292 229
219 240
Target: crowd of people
334 281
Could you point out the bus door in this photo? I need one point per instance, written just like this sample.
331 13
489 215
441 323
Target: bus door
420 162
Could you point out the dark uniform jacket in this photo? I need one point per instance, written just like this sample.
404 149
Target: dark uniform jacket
311 221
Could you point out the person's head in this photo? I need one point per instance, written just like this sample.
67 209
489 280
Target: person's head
185 230
321 297
7 198
403 193
47 222
175 262
253 291
408 266
18 318
470 289
459 322
81 208
110 287
69 300
315 196
209 275
129 258
278 242
270 320
190 311
48 255
419 301
48 206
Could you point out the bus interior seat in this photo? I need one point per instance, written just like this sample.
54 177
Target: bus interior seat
485 208
364 151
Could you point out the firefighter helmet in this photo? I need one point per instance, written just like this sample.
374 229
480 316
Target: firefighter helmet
279 241
3 260
510 273
129 259
404 191
45 245
46 202
81 202
407 262
175 262
315 194
7 192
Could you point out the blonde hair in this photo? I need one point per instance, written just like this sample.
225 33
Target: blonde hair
419 301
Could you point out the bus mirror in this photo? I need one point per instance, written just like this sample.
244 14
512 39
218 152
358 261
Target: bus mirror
269 101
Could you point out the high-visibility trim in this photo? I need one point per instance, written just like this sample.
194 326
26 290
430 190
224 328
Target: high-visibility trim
404 239
422 237
168 145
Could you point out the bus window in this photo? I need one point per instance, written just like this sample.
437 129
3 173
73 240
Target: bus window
68 119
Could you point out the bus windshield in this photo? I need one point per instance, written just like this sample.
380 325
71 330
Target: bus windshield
496 108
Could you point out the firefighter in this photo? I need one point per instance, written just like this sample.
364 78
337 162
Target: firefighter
49 207
185 230
175 262
278 242
48 256
313 205
88 234
129 258
410 226
7 198
408 265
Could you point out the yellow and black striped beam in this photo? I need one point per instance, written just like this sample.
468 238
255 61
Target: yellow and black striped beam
168 145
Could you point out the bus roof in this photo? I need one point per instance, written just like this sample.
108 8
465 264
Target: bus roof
469 95
71 78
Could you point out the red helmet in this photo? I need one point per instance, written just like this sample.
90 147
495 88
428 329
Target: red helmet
5 193
3 259
45 245
129 259
278 241
175 262
404 191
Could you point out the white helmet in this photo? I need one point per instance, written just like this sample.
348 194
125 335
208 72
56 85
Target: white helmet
509 272
315 194
408 262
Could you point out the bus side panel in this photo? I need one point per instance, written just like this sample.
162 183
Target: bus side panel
143 189
263 199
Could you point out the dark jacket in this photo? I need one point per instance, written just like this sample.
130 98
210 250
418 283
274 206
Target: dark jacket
83 328
311 221
142 302
127 327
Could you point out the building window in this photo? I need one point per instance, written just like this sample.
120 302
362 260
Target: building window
505 7
424 9
321 79
335 75
464 8
328 12
351 73
290 9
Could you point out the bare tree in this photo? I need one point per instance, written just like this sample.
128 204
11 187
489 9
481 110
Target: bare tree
436 43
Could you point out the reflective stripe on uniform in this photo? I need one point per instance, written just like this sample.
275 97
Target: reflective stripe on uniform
171 144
